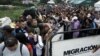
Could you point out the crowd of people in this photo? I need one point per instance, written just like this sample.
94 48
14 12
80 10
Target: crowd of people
28 35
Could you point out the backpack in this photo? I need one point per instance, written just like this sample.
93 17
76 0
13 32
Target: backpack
21 45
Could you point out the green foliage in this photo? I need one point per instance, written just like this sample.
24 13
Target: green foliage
16 2
57 1
43 1
12 13
13 2
5 2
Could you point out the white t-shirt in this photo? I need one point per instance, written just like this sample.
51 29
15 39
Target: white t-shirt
7 52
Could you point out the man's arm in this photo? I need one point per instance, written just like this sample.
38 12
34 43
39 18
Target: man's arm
25 51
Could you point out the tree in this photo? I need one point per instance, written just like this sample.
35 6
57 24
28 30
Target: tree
4 2
58 1
44 1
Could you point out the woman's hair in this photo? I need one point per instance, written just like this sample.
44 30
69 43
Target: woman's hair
11 41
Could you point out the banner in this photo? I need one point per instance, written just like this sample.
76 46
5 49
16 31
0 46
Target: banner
77 47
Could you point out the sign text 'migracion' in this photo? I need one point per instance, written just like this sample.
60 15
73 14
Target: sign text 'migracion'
79 50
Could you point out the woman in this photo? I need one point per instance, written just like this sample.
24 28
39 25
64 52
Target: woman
36 42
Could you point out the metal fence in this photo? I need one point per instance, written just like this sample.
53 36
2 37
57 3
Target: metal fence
68 35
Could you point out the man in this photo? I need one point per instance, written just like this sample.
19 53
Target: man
6 33
11 47
75 26
21 28
29 20
97 21
35 26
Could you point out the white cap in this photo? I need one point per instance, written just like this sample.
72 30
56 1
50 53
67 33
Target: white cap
89 15
74 18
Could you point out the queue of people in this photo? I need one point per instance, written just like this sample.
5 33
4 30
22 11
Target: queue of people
30 33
